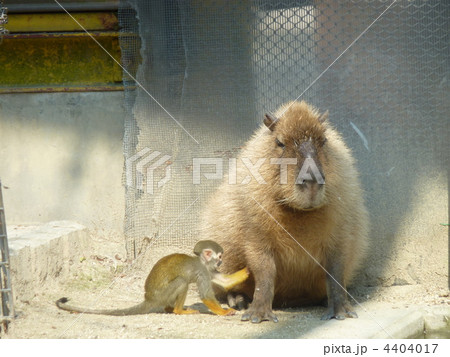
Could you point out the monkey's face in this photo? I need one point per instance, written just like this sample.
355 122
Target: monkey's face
211 259
299 146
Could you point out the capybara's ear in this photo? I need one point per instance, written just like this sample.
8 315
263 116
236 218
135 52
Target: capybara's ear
323 117
270 121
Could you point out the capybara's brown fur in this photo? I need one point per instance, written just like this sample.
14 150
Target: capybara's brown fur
286 230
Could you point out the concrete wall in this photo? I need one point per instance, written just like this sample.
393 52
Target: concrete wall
61 157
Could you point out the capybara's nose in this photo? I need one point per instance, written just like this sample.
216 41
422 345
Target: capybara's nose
311 185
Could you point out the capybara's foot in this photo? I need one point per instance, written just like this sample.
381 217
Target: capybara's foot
256 315
340 312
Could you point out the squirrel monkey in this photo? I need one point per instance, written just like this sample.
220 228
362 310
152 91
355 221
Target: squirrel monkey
167 284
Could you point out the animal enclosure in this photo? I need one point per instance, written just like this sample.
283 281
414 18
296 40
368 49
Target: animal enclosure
207 71
92 151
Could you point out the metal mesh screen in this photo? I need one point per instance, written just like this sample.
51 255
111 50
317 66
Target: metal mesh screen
210 69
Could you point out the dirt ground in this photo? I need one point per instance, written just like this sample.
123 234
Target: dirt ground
105 280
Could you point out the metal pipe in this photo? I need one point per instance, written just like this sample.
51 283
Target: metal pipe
70 6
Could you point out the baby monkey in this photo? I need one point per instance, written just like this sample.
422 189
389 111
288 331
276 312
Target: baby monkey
167 284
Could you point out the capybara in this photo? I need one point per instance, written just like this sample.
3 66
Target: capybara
292 211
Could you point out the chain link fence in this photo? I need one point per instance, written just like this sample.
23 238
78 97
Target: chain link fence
207 71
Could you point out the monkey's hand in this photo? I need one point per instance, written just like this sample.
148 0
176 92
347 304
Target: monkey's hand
215 307
257 313
229 281
339 312
230 312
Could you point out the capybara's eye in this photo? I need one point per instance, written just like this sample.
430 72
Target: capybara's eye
279 143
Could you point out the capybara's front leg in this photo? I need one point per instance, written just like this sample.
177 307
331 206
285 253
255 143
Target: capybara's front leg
264 272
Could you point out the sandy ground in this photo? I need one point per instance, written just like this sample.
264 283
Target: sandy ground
105 280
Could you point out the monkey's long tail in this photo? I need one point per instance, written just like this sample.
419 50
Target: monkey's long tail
142 308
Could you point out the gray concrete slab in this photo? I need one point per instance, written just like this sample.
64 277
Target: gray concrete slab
42 252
